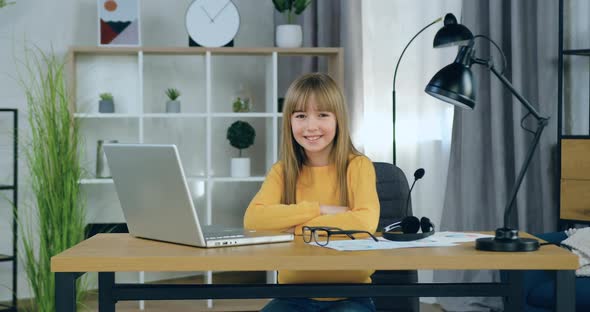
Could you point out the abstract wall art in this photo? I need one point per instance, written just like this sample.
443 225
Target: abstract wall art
118 23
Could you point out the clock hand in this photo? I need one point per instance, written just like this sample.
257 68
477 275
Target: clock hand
207 13
219 12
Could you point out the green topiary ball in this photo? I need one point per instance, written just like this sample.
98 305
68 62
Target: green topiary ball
241 135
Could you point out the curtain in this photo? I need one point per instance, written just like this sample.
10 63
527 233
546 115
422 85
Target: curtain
329 23
488 144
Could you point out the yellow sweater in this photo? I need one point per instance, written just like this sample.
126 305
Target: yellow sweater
317 185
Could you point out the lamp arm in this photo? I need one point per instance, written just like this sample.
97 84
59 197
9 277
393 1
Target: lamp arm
395 76
508 85
541 124
407 45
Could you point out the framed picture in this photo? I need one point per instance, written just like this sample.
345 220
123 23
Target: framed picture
118 23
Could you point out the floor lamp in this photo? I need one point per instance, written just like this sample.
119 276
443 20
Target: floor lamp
450 34
454 84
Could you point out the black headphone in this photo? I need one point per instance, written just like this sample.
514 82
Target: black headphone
410 225
410 228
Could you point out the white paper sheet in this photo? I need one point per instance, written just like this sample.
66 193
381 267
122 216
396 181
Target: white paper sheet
439 239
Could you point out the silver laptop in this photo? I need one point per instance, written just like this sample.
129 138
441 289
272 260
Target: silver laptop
157 204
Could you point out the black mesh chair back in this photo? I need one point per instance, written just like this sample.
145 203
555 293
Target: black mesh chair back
392 189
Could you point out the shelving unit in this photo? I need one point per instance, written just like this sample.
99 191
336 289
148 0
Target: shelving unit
574 148
138 76
208 79
14 188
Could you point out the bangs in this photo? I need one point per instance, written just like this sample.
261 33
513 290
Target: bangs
324 100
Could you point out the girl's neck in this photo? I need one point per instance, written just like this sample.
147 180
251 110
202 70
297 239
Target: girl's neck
317 160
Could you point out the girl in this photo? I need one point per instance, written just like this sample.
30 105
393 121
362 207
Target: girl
320 180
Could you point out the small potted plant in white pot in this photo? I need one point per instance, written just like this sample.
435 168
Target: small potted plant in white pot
173 105
241 136
106 103
290 35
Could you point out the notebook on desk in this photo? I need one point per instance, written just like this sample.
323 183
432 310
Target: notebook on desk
157 203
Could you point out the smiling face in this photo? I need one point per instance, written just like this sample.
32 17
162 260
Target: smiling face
314 130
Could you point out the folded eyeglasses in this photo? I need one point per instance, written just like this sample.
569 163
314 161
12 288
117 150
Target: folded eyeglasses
321 234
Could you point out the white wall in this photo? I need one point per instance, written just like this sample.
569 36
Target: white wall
61 24
423 124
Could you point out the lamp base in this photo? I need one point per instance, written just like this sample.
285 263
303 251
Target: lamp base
506 240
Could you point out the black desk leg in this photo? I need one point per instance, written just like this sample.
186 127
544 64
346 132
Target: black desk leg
65 291
106 283
515 301
565 291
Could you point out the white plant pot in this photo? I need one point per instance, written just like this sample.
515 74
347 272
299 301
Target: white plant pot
289 36
173 107
240 167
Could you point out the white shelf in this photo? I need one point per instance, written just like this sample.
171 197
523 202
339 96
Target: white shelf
245 115
110 181
178 115
232 179
105 115
175 115
96 181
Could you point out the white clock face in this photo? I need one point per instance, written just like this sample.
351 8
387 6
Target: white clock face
212 23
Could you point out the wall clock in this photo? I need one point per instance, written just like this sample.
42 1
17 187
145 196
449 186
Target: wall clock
212 23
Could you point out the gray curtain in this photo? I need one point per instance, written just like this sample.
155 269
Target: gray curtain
489 146
329 23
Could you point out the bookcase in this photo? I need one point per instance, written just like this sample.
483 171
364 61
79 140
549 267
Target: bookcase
573 140
10 153
208 79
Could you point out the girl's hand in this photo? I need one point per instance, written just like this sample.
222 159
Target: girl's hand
329 210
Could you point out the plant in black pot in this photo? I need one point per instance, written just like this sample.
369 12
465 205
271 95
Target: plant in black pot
241 136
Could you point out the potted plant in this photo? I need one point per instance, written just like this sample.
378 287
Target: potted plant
173 105
106 103
290 35
241 136
241 105
56 219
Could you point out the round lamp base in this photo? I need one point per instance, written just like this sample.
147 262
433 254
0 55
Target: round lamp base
519 244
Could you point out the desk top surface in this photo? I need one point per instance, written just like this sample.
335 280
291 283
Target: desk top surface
122 252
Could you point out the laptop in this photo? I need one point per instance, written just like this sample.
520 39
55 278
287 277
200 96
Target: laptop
157 203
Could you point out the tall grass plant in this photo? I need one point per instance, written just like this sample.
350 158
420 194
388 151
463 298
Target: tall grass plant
56 218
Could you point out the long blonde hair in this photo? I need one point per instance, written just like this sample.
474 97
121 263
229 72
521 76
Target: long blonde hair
328 98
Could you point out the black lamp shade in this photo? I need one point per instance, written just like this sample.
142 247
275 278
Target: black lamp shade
453 84
452 33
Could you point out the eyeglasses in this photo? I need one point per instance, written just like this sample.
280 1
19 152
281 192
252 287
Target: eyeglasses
321 234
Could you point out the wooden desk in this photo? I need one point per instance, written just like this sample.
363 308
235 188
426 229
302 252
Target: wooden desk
109 253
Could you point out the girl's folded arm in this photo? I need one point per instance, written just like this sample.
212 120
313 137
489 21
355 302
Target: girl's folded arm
266 212
363 201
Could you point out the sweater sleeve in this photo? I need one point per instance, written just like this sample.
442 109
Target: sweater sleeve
364 209
266 212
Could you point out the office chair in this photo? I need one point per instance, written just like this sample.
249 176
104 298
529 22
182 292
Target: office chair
392 190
